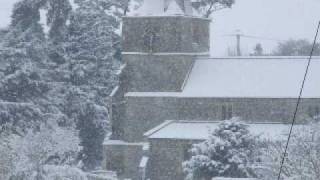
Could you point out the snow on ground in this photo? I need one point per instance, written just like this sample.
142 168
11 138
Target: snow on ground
198 130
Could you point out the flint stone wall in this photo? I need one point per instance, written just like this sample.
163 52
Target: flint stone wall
165 34
123 159
157 73
145 113
166 158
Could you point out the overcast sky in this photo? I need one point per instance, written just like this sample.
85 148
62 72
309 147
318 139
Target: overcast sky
275 19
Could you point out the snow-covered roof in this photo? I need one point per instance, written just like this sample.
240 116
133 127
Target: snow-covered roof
220 178
163 8
253 77
199 130
174 9
108 142
248 77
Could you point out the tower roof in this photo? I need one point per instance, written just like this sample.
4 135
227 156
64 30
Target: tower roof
164 7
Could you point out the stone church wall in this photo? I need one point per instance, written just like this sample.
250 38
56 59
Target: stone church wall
144 113
155 73
123 159
165 34
166 157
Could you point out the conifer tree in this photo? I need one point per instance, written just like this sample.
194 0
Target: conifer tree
92 126
228 152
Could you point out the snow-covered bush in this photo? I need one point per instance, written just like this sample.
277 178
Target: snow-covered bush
37 86
26 156
303 156
64 172
227 153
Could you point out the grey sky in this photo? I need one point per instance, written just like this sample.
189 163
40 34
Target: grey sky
276 19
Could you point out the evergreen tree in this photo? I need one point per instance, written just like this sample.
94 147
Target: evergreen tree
258 50
92 39
227 153
20 84
25 27
299 47
65 76
57 17
92 126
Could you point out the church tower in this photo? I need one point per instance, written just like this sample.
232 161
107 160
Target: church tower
157 41
160 42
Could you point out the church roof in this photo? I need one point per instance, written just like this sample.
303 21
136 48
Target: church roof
248 77
164 8
253 77
199 130
174 9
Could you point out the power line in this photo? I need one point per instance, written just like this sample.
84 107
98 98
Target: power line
262 38
298 102
238 35
253 37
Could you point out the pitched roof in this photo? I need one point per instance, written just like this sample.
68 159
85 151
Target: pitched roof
174 9
199 130
248 77
253 77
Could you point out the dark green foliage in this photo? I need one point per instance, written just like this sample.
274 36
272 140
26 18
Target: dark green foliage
91 43
64 76
58 14
21 83
25 27
258 50
296 48
19 117
92 134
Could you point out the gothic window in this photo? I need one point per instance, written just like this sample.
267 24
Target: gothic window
150 37
226 112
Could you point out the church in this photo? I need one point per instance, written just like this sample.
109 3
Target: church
171 92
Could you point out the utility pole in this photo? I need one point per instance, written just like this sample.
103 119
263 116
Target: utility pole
238 36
